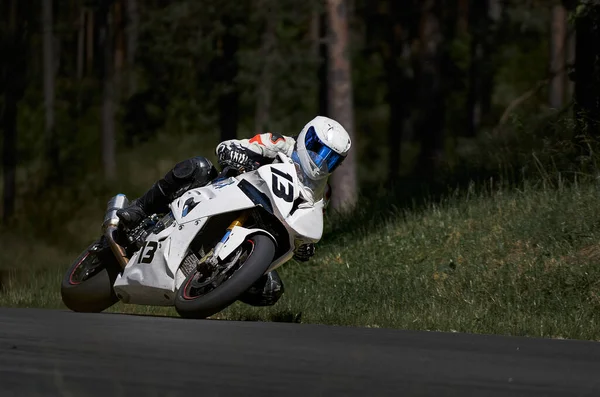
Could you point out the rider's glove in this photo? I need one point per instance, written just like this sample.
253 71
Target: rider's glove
304 252
235 157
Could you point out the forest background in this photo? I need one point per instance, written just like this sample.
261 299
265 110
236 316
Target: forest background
446 100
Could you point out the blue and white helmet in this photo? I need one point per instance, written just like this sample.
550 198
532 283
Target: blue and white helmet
321 147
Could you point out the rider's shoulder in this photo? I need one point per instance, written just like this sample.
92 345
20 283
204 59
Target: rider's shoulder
271 138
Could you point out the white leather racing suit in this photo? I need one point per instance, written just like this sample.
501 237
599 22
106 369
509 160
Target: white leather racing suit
260 149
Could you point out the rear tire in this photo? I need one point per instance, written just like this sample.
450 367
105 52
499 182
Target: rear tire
92 292
260 256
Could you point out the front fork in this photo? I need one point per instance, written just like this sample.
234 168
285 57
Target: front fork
212 256
239 221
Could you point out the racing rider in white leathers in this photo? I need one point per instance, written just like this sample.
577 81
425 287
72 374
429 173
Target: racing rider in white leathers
319 149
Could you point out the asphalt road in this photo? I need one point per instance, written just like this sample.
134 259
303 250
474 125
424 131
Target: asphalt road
60 353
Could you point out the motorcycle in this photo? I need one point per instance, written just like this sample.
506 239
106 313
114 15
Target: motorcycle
212 246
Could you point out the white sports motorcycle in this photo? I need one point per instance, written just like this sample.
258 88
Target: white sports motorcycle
215 242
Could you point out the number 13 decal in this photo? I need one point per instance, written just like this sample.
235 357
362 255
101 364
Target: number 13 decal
146 256
279 189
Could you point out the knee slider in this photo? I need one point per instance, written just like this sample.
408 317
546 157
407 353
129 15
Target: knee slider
193 172
196 169
184 170
204 171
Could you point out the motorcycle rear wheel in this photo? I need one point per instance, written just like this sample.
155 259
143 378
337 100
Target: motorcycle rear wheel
256 258
88 284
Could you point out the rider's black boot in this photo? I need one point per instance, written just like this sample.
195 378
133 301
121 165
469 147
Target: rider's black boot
266 291
196 171
153 201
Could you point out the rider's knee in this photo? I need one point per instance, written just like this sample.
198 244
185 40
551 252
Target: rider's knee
205 170
196 170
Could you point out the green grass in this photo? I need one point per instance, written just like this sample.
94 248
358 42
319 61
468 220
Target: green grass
514 262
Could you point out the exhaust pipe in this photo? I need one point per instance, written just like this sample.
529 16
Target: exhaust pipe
110 225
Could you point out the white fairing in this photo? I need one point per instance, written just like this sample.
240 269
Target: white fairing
153 274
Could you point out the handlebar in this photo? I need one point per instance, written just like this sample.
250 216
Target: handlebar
227 172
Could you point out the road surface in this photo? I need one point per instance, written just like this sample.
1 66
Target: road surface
61 353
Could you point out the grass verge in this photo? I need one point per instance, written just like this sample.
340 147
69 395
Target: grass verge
518 262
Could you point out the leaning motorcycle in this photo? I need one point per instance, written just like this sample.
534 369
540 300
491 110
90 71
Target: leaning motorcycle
200 257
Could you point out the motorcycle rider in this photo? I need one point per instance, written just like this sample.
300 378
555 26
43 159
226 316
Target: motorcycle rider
319 149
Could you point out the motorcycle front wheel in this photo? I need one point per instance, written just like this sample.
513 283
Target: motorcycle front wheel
199 297
88 284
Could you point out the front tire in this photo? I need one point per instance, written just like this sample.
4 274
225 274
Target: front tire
192 302
88 284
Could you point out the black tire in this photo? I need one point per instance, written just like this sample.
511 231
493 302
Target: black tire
94 293
258 261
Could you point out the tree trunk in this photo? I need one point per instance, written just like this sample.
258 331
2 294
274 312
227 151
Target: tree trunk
265 86
226 69
315 31
318 33
479 30
80 43
570 44
462 23
397 84
133 22
431 97
13 75
344 179
80 55
9 164
495 14
570 50
90 42
495 10
49 90
587 71
323 94
484 18
119 49
556 88
108 102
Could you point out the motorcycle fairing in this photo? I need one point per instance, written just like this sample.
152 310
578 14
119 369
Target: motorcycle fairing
153 274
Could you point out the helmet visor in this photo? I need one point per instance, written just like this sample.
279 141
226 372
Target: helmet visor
324 156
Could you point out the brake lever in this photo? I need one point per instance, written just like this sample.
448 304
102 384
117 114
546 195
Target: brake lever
224 174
